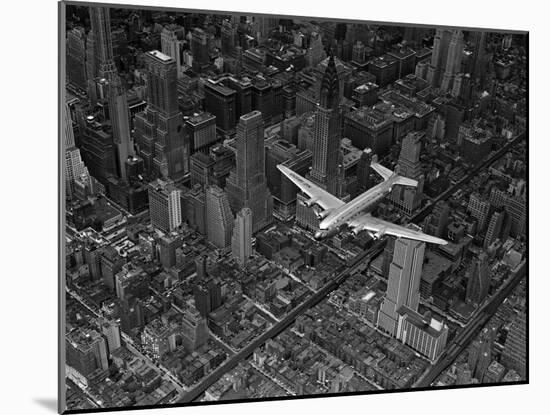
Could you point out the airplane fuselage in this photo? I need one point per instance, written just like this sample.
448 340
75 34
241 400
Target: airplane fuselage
365 202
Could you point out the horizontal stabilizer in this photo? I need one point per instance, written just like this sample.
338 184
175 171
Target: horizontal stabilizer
382 171
406 181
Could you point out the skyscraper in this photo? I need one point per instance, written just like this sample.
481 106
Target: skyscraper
74 166
241 242
327 131
164 205
454 59
246 185
403 283
442 40
494 229
515 347
407 198
160 133
478 207
86 351
479 280
76 57
111 331
170 46
219 219
104 67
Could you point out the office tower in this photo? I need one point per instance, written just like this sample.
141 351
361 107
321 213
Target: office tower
207 296
315 52
479 208
164 205
219 219
228 37
119 114
368 127
494 229
454 60
86 351
194 330
494 373
246 184
221 101
104 64
424 334
201 130
436 222
364 170
241 242
516 207
463 375
100 22
479 280
327 131
74 166
111 331
403 283
201 168
167 254
97 149
199 48
483 363
76 58
478 68
202 299
515 346
473 354
132 282
158 338
201 263
160 133
408 198
111 263
440 51
170 46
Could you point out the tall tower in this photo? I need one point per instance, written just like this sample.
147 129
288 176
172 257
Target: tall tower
479 280
160 133
327 132
219 219
247 185
241 242
104 67
515 347
454 59
170 45
74 166
164 205
442 40
403 283
407 198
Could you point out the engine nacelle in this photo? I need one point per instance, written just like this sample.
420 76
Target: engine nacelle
311 202
376 235
325 233
321 214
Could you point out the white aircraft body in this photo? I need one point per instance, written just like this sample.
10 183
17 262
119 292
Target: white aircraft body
336 214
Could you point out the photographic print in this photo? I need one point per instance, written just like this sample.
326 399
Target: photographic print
262 207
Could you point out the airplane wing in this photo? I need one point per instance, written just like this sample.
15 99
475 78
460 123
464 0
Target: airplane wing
319 196
381 227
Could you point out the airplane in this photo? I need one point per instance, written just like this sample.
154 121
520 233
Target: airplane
336 214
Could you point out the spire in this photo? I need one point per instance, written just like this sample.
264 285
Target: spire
330 85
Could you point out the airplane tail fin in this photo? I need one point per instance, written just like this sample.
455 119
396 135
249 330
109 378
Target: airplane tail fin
406 181
387 174
382 171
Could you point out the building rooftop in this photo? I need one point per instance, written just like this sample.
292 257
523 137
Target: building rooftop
160 56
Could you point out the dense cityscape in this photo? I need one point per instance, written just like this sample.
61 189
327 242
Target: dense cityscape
192 268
